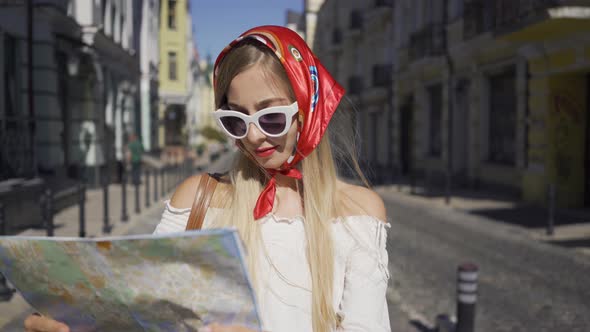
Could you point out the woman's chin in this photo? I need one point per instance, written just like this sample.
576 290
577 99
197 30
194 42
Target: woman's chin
272 162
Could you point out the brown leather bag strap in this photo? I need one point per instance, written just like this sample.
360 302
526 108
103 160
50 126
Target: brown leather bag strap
205 191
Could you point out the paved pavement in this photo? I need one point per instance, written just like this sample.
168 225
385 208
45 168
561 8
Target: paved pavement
12 313
525 273
571 228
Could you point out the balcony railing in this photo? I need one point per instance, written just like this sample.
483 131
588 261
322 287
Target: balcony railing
384 3
481 16
478 18
356 20
16 157
382 75
355 85
430 41
509 12
61 5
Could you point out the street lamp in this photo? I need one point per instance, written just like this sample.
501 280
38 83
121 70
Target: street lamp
73 65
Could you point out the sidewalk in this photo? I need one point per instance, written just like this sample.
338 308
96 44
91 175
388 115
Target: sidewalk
66 222
571 227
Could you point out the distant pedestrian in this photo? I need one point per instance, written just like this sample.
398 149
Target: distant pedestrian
134 155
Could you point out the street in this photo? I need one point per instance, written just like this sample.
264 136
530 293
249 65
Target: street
524 285
150 220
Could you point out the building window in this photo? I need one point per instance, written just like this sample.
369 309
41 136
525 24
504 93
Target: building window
455 8
113 15
172 14
355 84
356 19
122 31
103 14
336 36
502 118
172 66
435 116
10 78
71 8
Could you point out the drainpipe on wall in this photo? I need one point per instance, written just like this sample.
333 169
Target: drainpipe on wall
450 93
31 97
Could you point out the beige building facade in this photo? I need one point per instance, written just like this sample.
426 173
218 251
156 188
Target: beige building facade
354 40
471 93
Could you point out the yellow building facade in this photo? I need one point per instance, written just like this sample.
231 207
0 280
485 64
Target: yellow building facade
175 48
558 56
495 94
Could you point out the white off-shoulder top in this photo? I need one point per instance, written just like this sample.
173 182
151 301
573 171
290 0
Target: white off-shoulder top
284 296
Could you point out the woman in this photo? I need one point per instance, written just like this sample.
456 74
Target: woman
317 244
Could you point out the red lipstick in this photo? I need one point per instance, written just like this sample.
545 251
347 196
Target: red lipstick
265 152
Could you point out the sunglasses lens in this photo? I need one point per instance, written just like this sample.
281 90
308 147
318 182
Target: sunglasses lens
273 123
234 125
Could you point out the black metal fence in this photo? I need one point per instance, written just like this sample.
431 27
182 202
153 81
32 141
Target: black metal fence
157 181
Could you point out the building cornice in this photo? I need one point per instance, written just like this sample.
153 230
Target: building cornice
112 54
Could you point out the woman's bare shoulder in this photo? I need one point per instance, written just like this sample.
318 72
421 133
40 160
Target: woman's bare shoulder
358 200
184 195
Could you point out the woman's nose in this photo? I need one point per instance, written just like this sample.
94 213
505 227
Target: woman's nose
254 134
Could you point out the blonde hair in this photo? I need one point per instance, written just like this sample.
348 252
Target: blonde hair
319 190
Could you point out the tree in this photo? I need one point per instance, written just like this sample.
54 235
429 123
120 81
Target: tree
213 134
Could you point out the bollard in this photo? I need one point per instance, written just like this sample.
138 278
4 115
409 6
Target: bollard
399 178
448 187
428 183
466 297
147 188
82 209
137 208
43 209
171 177
412 182
162 184
106 227
165 179
6 292
124 216
48 209
155 185
3 226
179 174
551 210
174 174
444 323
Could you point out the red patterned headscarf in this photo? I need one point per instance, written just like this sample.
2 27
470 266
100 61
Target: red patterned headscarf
316 91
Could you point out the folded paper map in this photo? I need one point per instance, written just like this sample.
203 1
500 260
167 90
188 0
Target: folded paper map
172 282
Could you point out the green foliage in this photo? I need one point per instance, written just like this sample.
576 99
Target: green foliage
201 148
213 134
